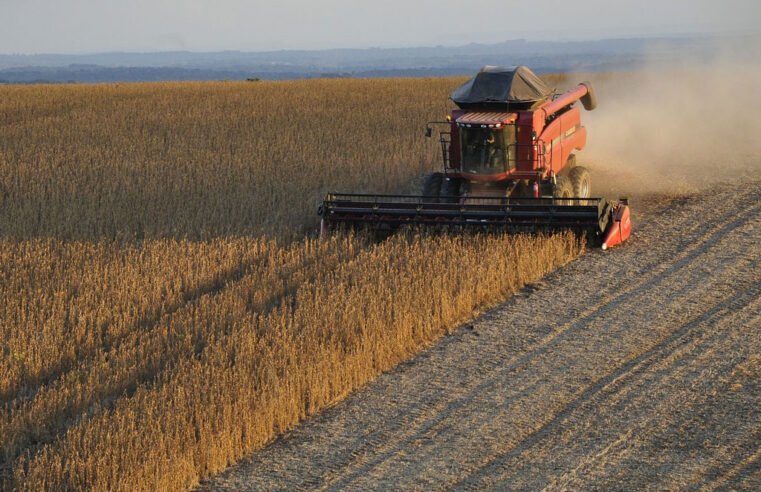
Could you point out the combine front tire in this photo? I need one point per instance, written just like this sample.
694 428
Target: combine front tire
432 186
563 189
450 190
581 182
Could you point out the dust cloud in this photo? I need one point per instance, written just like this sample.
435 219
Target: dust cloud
678 129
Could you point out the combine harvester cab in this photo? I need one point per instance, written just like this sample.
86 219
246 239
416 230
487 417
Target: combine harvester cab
508 164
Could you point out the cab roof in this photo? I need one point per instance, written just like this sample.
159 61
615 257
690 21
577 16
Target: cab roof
486 119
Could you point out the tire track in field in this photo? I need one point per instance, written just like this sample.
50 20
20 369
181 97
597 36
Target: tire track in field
689 426
448 395
635 453
685 389
747 468
685 338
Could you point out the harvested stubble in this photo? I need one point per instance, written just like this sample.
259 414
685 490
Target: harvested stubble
147 339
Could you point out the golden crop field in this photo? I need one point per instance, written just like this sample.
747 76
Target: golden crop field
164 306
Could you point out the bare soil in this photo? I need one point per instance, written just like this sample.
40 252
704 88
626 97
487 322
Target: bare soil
629 369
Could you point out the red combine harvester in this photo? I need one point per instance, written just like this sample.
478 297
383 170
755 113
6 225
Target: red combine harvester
508 165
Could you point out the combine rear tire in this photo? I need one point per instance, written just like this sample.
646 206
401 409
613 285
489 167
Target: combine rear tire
563 189
432 186
581 182
450 190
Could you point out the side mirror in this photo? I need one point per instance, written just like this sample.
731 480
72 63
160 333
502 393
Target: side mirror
428 132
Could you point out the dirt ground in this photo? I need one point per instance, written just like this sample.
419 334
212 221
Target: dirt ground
636 368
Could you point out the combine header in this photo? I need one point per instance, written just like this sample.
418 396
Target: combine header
508 164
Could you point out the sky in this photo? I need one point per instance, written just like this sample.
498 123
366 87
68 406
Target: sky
93 26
